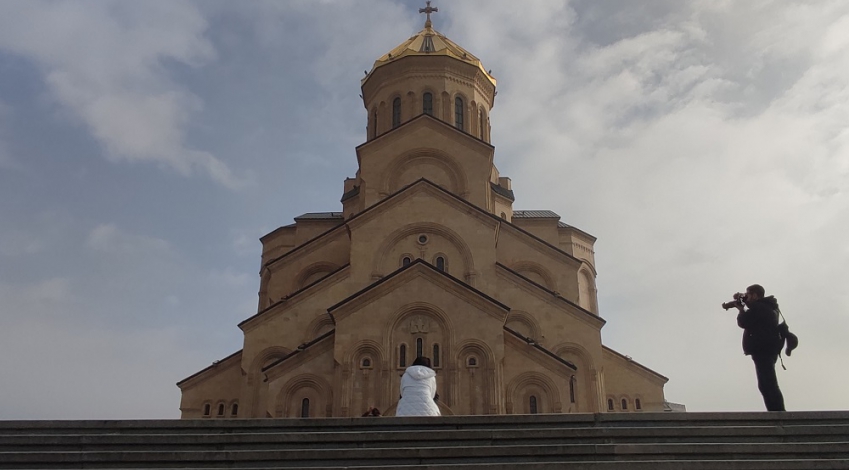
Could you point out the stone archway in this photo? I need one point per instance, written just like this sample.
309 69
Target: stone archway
475 379
305 391
435 166
533 384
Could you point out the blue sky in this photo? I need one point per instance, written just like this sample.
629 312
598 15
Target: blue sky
146 146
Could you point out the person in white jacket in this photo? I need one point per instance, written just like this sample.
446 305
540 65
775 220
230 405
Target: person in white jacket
418 390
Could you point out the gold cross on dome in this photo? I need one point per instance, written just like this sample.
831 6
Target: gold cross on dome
428 10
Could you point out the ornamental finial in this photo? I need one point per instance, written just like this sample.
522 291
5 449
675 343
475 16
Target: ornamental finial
428 10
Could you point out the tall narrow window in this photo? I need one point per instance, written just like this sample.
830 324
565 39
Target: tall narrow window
396 112
374 123
419 347
609 404
305 408
458 113
435 355
206 408
637 404
221 409
483 124
406 261
533 404
572 389
624 404
234 410
427 103
440 263
402 356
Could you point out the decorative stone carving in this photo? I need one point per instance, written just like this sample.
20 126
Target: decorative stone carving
419 325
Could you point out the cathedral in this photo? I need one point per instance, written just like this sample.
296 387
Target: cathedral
427 257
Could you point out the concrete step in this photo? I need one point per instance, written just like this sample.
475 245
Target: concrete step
430 438
488 422
806 440
428 455
807 464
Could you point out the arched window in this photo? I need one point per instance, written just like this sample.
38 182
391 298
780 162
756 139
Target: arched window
366 363
572 389
427 103
472 362
624 404
458 113
305 408
396 112
206 409
609 404
234 410
637 404
402 356
374 123
406 261
533 404
504 215
221 409
419 347
435 355
440 263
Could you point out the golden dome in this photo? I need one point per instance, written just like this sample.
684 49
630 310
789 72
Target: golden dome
429 42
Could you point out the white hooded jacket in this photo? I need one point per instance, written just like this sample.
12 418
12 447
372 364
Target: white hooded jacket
418 387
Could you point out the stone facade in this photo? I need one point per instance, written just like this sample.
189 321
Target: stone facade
427 257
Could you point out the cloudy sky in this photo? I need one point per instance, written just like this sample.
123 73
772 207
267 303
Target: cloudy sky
146 146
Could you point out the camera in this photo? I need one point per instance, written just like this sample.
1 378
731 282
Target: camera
739 300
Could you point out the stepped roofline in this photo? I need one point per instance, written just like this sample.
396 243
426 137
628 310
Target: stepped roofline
440 189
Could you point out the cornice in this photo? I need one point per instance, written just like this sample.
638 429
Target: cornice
543 246
295 298
550 297
430 121
410 191
217 366
415 270
409 67
305 248
304 352
645 371
539 354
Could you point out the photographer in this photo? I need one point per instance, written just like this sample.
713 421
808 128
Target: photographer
761 340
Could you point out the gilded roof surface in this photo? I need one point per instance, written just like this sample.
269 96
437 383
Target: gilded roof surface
429 42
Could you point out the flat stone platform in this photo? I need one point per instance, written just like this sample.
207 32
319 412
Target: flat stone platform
743 441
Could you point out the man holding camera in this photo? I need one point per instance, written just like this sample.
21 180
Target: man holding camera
761 340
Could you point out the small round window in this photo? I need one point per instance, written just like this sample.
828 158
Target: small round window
422 239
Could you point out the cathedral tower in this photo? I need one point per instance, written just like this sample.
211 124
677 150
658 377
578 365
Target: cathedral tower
426 258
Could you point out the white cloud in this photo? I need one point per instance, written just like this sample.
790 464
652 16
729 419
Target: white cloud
106 62
104 374
108 238
231 278
707 151
49 295
703 143
6 160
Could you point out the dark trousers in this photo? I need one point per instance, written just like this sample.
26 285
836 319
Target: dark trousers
768 382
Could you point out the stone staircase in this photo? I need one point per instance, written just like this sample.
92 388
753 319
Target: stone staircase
639 441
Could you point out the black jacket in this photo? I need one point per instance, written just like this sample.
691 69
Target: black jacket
760 327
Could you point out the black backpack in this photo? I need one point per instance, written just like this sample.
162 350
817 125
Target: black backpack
787 338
